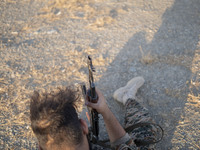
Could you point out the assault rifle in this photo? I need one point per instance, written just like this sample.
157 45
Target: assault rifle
93 115
93 97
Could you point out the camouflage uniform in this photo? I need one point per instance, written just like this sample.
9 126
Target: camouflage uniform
135 114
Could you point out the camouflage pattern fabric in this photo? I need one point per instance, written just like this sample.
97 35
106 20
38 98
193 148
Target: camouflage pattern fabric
135 113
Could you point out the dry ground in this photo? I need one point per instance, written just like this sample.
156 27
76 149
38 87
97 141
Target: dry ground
44 44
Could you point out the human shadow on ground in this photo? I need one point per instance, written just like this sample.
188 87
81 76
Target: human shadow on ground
166 69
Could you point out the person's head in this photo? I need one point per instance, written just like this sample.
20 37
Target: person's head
55 122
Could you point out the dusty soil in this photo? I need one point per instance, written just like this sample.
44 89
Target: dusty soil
44 44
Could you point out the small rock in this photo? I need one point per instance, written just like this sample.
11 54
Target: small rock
57 11
113 13
166 125
14 33
132 69
51 31
63 70
12 75
79 48
80 14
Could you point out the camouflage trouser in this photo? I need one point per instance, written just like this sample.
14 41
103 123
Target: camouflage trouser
135 114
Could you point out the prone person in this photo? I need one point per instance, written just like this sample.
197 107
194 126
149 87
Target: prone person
55 122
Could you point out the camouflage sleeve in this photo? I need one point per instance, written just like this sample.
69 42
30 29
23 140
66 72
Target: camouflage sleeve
123 143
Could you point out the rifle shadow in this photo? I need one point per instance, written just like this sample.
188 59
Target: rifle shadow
164 63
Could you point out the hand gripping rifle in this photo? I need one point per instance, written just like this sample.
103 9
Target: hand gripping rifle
93 97
93 115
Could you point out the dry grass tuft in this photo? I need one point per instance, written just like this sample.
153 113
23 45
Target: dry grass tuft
147 58
101 22
176 93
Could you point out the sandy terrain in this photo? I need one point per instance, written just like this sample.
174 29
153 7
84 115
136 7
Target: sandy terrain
44 44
